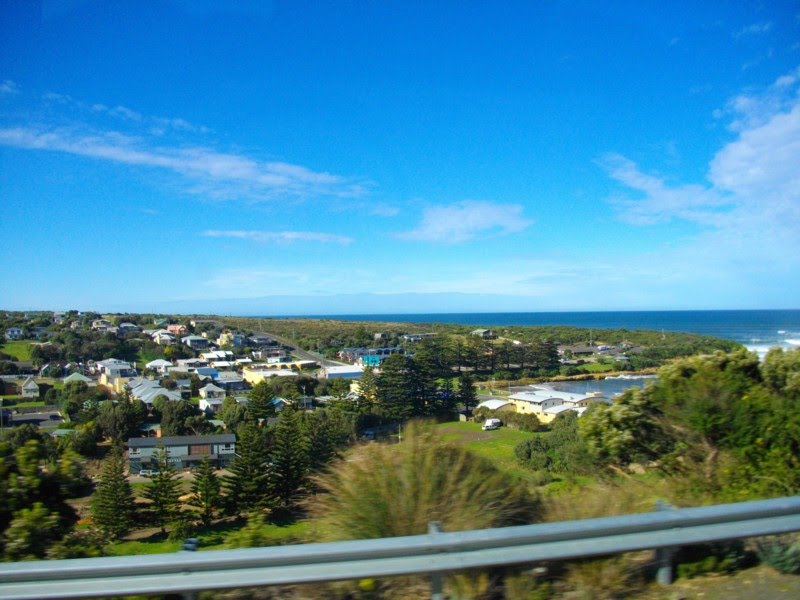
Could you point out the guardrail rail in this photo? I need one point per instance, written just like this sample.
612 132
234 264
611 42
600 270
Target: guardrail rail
431 554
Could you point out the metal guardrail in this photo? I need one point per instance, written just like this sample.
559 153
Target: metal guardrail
431 554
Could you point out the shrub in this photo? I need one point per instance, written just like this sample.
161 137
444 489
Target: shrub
782 553
718 557
386 491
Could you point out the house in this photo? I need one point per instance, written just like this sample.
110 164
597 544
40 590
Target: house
78 378
547 404
59 317
217 355
114 367
211 391
160 322
101 325
228 338
177 329
343 372
210 405
124 328
14 333
261 340
195 342
163 338
147 390
230 381
485 334
184 451
255 375
160 365
29 388
497 404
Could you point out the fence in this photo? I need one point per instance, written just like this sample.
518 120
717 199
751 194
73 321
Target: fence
432 554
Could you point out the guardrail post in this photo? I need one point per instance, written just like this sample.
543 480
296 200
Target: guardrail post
437 588
664 575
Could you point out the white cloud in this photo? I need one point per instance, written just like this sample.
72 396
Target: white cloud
660 202
753 29
280 236
8 87
750 206
214 173
466 220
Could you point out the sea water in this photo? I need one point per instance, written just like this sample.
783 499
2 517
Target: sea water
758 330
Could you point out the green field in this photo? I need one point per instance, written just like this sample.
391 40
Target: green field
19 349
498 445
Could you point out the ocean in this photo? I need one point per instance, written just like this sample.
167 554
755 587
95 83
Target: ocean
758 330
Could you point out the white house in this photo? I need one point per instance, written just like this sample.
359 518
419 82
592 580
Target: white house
210 405
343 372
29 388
13 333
160 365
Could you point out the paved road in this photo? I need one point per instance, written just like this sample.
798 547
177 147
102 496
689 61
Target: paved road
40 419
299 352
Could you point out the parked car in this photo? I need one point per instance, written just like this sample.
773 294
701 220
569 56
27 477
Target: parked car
490 424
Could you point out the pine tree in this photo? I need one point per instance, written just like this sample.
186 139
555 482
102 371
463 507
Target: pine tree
260 405
205 491
466 391
112 504
246 489
289 459
367 389
163 491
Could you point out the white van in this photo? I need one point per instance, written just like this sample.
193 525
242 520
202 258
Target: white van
490 424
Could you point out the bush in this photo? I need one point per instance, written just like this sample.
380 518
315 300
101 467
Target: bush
782 553
387 491
718 557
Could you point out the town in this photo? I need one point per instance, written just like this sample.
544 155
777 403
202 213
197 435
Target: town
145 431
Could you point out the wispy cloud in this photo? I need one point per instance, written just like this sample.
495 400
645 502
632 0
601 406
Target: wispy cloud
280 236
8 87
210 172
119 134
753 29
466 220
750 206
658 201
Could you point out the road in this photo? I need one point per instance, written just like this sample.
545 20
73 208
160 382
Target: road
40 419
299 352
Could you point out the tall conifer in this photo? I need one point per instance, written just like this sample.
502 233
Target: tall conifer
163 491
112 504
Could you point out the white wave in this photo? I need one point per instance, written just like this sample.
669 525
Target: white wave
624 376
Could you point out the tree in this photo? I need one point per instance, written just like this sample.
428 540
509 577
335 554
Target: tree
205 491
466 391
163 491
367 389
233 414
259 405
112 504
289 460
628 430
403 389
31 532
118 420
246 488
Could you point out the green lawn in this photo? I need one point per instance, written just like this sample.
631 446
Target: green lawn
215 537
497 445
19 349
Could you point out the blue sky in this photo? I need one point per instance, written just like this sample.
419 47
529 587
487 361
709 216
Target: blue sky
368 157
